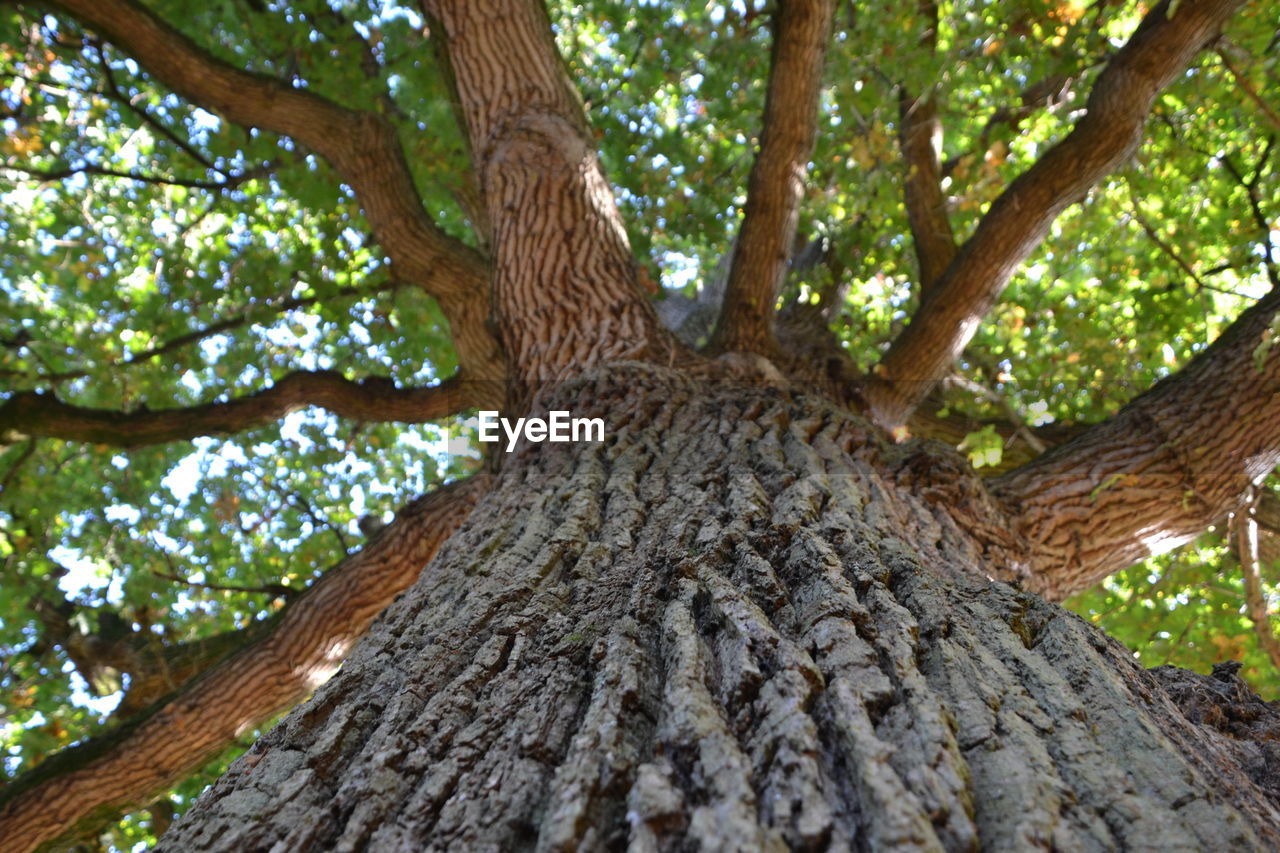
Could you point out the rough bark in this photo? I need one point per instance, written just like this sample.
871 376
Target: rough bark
564 286
80 787
1018 220
1156 474
742 622
762 250
745 621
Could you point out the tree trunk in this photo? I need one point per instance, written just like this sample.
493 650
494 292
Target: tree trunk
742 622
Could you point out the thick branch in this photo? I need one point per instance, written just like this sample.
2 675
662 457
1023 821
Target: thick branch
777 177
546 197
1174 461
362 146
40 415
1019 219
87 785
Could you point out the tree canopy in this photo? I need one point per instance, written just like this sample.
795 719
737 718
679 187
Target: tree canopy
243 287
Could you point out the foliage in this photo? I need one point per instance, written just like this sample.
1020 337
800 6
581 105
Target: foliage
156 255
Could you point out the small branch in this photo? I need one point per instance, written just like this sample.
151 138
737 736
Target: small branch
275 590
231 182
1254 596
317 522
1050 93
363 146
34 414
1168 250
776 185
116 94
1019 219
215 328
1250 187
1245 86
29 448
1016 417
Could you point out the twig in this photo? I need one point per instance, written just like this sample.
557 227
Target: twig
218 327
231 182
276 590
1164 246
1255 205
1247 88
115 93
1014 413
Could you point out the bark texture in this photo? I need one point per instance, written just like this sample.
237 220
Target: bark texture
742 622
762 250
564 283
1156 474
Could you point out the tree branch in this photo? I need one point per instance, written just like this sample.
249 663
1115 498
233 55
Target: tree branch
776 185
920 140
226 324
85 786
1018 220
919 137
1162 244
155 669
114 92
1168 465
545 196
362 146
41 415
275 590
1254 596
1245 86
1049 93
1016 419
1250 187
228 183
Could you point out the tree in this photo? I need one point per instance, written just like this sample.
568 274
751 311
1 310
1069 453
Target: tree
773 607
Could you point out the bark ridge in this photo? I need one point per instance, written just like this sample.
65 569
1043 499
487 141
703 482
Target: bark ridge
743 622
